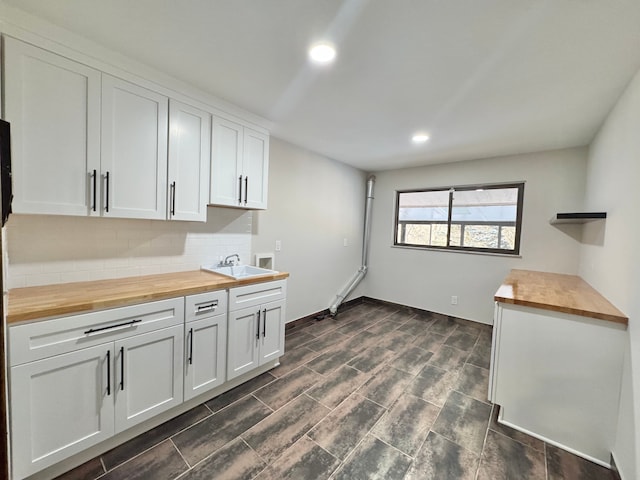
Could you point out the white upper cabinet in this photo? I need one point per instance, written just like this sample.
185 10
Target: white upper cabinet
226 162
239 165
255 166
189 153
53 104
134 150
90 144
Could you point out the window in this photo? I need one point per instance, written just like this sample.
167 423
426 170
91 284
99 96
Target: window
481 218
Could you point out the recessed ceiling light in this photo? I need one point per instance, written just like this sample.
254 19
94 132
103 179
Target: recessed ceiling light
322 53
420 138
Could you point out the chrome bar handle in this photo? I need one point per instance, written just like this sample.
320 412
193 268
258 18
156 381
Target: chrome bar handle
94 195
264 323
208 307
258 327
106 203
173 199
121 368
123 324
109 372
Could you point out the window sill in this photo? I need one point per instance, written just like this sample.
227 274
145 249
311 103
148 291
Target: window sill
464 252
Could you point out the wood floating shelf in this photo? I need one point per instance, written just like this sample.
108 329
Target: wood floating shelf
577 217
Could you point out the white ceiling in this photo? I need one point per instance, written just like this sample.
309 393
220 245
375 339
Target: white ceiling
483 77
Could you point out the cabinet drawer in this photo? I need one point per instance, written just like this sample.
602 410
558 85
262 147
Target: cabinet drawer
257 294
46 338
205 305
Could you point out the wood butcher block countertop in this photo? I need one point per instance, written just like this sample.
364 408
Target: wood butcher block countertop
557 292
32 303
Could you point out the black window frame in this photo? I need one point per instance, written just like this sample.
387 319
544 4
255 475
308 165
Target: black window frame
448 222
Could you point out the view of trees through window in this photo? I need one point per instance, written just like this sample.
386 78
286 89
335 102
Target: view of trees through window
479 218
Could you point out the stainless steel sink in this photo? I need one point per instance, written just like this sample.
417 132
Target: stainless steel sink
238 272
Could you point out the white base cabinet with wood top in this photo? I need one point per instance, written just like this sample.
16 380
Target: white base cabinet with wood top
76 381
557 376
83 381
256 326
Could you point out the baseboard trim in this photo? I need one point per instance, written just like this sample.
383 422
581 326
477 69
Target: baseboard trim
615 473
298 323
578 453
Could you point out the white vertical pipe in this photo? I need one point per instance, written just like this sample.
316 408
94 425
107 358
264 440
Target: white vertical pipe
366 238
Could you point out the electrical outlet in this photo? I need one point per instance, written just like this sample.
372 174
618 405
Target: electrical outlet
345 242
454 300
278 245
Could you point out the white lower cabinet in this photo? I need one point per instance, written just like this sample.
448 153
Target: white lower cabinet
105 377
148 372
77 381
206 343
272 335
60 406
557 376
256 331
256 336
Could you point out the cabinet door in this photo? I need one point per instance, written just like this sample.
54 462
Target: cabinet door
60 406
134 150
272 335
148 376
206 352
53 105
255 167
243 343
189 155
226 162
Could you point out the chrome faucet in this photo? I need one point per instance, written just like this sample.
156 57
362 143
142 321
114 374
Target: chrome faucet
229 262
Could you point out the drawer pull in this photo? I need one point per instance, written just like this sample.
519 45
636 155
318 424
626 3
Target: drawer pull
208 307
124 324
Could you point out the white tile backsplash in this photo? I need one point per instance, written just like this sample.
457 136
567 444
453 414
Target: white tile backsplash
45 249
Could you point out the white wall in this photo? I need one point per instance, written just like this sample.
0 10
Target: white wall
428 278
314 204
610 260
45 249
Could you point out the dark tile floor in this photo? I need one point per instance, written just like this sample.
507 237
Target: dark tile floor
377 393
